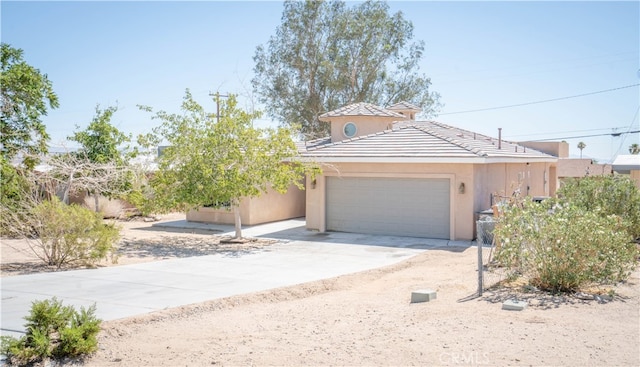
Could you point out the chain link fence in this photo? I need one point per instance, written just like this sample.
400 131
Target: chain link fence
489 274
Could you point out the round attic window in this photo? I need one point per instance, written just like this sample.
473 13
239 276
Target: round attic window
349 129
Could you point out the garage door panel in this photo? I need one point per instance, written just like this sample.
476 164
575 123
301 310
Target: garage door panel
409 207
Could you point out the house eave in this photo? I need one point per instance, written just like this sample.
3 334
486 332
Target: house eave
439 160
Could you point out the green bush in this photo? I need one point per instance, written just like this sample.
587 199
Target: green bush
560 246
608 195
12 187
141 200
71 234
53 331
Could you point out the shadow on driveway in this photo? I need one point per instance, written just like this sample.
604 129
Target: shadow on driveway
295 230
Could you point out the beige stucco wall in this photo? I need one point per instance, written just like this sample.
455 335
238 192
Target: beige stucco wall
576 167
635 175
275 206
212 215
365 125
503 179
269 207
480 181
558 149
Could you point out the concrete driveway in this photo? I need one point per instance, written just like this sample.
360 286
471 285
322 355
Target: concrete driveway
129 290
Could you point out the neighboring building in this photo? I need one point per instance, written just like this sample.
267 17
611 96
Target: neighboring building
569 167
384 173
581 167
628 164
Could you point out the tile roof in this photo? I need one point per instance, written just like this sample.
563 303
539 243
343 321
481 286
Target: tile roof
424 141
624 163
361 109
404 106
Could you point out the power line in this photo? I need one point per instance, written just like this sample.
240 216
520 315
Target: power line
635 115
615 135
538 102
569 131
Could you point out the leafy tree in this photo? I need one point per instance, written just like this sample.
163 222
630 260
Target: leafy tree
218 163
12 185
101 143
325 55
634 148
25 95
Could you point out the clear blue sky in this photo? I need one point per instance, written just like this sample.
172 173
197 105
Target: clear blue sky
478 54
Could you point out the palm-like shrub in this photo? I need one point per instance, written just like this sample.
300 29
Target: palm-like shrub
53 331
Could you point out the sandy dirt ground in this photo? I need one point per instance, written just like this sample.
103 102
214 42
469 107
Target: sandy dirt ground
363 319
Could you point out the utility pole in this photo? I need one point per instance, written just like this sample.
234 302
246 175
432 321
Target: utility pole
217 100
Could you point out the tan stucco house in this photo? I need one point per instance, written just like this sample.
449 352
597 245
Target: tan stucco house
385 173
569 167
628 165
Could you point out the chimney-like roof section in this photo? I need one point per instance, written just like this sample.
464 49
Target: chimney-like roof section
404 106
360 109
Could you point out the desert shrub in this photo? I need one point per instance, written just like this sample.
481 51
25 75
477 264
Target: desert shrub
53 331
71 234
560 246
606 195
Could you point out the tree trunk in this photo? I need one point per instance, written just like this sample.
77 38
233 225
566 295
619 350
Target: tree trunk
237 221
65 196
96 201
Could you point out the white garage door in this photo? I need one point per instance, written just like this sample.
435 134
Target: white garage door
391 206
